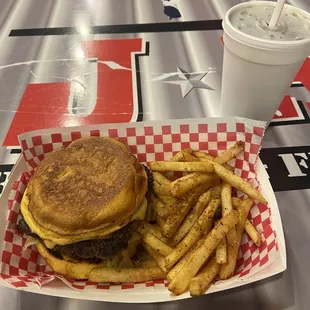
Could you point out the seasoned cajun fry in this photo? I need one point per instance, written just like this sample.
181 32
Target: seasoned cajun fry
216 191
228 167
230 153
243 214
180 283
144 228
178 210
159 206
171 176
203 224
232 246
160 189
106 274
226 198
179 156
183 185
175 270
206 184
231 238
238 183
203 155
191 219
189 158
253 233
161 179
221 252
205 166
159 259
237 202
173 222
227 270
203 280
157 244
168 200
161 222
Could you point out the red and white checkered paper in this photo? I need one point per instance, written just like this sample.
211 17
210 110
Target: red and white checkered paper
149 141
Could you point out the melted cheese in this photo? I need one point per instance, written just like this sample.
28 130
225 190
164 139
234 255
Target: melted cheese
138 215
49 244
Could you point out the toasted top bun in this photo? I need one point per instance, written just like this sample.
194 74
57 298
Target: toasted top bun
84 191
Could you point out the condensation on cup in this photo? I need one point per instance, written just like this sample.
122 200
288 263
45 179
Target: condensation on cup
261 62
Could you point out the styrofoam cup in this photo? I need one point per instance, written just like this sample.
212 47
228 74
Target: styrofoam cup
257 72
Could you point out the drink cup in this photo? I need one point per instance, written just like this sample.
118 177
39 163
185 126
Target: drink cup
261 62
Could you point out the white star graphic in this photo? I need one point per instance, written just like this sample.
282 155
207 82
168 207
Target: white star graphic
188 81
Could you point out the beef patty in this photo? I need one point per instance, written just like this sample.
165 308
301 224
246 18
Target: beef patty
97 248
90 250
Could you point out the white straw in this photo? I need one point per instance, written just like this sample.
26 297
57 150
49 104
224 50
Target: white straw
276 13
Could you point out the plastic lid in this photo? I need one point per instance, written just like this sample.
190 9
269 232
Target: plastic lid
253 41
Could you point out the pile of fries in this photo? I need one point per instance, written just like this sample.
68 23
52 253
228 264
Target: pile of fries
199 225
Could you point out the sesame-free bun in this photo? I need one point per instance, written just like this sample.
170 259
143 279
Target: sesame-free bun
84 191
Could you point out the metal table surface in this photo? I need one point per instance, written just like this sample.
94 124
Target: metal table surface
51 74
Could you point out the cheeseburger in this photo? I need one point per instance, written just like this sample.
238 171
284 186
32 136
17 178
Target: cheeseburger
82 204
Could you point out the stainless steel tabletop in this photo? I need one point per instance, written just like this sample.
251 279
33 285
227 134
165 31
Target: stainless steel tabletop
33 60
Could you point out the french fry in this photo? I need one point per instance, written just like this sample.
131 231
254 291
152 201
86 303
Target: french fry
238 183
160 189
144 228
177 209
221 252
115 275
205 166
157 244
161 179
159 259
180 283
226 198
183 185
243 214
203 225
216 191
160 222
160 208
227 270
203 280
191 219
228 167
230 153
237 202
189 158
232 248
175 270
253 233
181 210
170 176
203 155
249 227
168 200
231 238
179 156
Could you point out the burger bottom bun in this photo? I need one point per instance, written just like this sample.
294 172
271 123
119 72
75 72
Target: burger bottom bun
79 270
